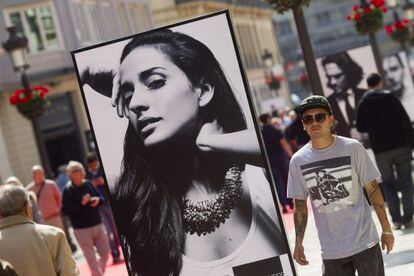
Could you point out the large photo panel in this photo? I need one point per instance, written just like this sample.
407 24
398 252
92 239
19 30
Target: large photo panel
181 152
399 80
343 77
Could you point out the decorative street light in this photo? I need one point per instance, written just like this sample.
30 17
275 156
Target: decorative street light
272 80
16 47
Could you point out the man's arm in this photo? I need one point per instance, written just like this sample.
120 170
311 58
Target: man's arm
377 201
300 217
286 147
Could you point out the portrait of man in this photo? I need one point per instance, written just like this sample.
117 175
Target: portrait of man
394 74
343 76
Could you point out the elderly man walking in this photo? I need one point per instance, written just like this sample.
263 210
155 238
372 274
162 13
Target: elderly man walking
80 202
48 196
32 249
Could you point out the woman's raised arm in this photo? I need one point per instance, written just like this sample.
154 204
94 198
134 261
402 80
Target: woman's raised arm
238 146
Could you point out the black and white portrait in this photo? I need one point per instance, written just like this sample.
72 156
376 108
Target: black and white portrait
399 81
343 78
179 147
330 184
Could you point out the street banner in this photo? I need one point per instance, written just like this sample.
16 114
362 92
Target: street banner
399 80
343 76
176 133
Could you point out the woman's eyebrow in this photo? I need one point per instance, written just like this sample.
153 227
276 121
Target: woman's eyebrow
145 74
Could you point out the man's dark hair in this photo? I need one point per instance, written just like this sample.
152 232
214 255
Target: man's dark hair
373 80
353 72
264 118
91 157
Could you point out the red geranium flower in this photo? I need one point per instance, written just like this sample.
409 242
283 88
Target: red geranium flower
377 3
355 8
349 17
367 10
13 99
357 16
388 29
405 21
384 9
398 25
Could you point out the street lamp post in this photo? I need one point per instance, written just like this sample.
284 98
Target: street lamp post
271 80
307 50
16 47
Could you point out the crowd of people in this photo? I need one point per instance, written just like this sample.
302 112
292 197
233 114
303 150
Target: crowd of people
43 212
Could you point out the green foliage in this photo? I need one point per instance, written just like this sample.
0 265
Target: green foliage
282 6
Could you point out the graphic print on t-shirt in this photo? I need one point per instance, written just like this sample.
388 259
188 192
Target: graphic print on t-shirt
329 183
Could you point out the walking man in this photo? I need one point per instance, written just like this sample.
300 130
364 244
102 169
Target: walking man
49 198
94 174
32 249
333 170
80 202
278 152
391 134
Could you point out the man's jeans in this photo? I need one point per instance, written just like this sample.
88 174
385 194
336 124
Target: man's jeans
108 222
368 263
396 171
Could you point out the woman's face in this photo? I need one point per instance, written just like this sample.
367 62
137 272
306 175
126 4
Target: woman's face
160 101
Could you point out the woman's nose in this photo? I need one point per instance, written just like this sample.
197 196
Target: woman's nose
138 101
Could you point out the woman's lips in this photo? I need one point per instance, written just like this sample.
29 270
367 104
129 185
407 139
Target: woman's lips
144 124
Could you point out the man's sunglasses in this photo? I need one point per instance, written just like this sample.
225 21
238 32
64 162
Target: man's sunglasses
309 119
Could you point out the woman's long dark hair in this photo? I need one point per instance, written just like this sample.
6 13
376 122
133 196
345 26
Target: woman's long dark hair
148 211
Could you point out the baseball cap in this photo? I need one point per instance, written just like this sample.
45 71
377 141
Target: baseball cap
314 101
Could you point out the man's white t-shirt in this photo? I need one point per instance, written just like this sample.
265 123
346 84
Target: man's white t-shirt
334 178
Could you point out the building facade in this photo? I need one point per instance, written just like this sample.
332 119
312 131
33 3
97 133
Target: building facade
53 29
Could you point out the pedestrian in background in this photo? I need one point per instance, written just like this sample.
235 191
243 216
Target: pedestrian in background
94 174
80 203
32 249
391 134
295 134
37 215
333 170
278 152
61 181
48 196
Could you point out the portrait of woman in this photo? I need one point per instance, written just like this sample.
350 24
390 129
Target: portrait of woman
191 197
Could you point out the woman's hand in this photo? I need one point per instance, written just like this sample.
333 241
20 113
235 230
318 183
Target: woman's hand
206 135
117 99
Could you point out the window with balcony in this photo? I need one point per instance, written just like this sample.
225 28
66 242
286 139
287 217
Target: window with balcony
37 23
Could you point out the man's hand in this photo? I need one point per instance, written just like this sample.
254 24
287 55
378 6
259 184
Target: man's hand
94 201
387 240
299 255
85 199
99 181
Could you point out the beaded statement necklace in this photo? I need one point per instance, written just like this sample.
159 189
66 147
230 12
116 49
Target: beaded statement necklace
203 217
